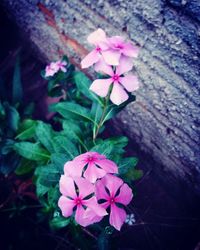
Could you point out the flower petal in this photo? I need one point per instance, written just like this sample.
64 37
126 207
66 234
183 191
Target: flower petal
113 183
117 217
97 36
100 191
79 216
84 186
111 56
90 59
92 203
104 68
92 173
91 216
108 165
67 187
116 40
125 65
101 86
118 94
130 50
71 168
125 195
66 205
130 82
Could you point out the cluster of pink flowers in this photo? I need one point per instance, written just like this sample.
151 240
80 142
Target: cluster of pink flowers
90 189
54 67
112 56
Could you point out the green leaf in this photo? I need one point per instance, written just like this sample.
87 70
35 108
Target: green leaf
32 151
17 91
59 222
133 175
58 160
71 110
12 117
112 110
63 145
126 164
44 133
83 84
25 167
26 129
40 189
53 196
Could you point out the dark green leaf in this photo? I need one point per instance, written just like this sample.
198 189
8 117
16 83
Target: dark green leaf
26 129
44 133
71 110
32 151
83 84
59 222
25 167
12 116
17 92
126 164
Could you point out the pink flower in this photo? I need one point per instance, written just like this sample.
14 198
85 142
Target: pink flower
117 48
121 83
75 194
62 65
93 164
99 40
54 67
112 190
51 69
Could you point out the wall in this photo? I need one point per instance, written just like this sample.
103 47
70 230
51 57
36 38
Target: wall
165 120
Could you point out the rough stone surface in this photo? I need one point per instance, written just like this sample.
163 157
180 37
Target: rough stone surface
165 120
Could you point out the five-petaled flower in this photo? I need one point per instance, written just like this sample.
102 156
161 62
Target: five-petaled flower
91 165
54 67
121 83
111 190
76 193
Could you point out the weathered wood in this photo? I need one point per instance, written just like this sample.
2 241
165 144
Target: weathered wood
165 120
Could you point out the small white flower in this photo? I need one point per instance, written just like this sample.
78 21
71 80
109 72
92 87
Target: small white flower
130 219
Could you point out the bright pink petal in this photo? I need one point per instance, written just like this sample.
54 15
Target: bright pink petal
113 183
130 50
92 173
84 186
116 40
108 165
71 168
117 217
125 195
111 56
90 59
130 82
125 65
67 187
118 94
97 36
91 216
66 205
100 191
92 203
104 68
101 86
79 216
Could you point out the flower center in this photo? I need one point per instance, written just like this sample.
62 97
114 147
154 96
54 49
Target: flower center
98 49
115 78
112 200
90 159
78 201
119 46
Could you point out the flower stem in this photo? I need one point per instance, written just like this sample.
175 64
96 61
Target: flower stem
102 118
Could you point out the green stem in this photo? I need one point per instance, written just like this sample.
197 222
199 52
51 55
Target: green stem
102 118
